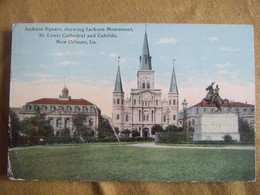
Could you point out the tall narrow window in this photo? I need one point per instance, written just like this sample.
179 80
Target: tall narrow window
156 102
174 117
139 115
51 122
117 116
174 102
118 101
59 122
148 85
152 115
164 118
122 101
143 85
67 123
126 118
134 101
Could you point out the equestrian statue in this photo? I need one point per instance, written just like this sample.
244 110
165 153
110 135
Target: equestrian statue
213 97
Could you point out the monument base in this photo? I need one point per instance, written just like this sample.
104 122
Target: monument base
214 127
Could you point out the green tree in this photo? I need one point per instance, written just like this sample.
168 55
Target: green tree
125 132
35 128
135 133
15 127
247 134
79 122
104 128
172 128
156 128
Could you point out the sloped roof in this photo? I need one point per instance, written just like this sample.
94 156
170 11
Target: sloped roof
56 101
232 104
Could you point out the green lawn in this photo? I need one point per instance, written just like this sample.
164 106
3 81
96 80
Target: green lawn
109 162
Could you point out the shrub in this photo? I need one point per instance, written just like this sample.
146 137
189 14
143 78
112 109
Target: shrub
227 139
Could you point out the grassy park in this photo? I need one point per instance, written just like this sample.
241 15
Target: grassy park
116 162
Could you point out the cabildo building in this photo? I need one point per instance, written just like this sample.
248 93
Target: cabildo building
145 107
61 111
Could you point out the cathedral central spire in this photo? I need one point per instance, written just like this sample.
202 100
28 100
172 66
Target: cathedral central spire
118 84
145 59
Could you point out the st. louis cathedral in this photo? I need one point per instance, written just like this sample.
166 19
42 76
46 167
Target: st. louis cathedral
145 107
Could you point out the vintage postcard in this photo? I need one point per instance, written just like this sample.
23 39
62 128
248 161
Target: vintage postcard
132 103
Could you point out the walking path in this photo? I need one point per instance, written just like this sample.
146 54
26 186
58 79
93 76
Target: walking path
140 145
153 145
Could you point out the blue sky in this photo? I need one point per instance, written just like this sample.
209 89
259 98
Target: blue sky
202 53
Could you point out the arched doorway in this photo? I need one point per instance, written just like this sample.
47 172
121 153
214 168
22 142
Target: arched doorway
146 132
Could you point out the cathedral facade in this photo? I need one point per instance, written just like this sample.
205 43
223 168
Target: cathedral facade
145 107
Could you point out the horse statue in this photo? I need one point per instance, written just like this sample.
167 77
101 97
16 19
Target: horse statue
213 97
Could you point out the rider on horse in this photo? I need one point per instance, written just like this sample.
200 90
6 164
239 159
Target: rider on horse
213 97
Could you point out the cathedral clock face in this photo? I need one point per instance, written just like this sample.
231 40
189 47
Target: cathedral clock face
147 97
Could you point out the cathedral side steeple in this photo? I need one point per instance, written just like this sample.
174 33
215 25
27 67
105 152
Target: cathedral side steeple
173 86
145 59
173 98
118 83
118 102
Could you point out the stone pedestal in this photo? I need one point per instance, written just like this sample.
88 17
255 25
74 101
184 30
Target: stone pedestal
214 126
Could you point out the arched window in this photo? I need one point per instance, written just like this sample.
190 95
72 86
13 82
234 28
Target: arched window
59 123
148 85
174 101
117 101
174 117
53 108
68 108
117 116
77 109
85 109
28 107
51 121
67 123
44 108
143 85
126 118
147 117
164 118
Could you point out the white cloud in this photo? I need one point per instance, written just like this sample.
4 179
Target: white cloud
60 53
122 60
213 39
66 63
225 72
225 49
227 64
112 55
78 53
166 41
